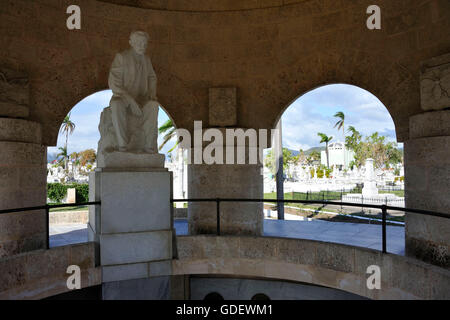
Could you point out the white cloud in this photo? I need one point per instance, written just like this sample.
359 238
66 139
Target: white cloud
314 112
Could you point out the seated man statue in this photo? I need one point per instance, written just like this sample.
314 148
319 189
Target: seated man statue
130 124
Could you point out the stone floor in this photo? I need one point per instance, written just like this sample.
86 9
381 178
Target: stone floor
63 234
355 234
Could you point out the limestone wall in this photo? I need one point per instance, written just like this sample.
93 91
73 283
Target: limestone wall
43 273
271 51
22 168
330 265
427 186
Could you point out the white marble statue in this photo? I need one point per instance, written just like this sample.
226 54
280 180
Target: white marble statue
130 124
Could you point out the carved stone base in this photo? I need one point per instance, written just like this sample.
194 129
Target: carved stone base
117 159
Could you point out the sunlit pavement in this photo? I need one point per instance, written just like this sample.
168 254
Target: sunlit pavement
355 234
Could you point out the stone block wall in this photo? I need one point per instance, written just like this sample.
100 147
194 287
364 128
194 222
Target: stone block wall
272 51
43 273
225 181
427 186
22 169
320 263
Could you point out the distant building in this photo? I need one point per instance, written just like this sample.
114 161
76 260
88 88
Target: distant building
339 155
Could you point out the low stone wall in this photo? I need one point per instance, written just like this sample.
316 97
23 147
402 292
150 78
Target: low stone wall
67 217
42 273
320 263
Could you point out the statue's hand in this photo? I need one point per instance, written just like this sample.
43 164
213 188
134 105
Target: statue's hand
135 109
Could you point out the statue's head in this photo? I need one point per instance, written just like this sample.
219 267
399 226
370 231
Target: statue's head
138 41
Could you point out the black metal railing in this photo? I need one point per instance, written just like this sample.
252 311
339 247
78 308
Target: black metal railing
384 210
47 208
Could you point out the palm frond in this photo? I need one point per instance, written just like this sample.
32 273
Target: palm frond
165 126
165 140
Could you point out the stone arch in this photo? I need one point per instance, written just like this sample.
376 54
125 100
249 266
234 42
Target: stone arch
260 296
394 89
213 296
67 86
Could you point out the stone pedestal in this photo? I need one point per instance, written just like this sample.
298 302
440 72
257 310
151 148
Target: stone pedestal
427 186
370 185
116 159
133 226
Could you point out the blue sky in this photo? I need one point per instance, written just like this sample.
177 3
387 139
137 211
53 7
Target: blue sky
311 113
86 116
314 112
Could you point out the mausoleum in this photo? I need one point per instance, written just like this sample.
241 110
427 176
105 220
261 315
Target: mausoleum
231 65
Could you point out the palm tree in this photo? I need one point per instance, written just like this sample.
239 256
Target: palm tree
75 157
62 157
340 124
326 139
352 130
67 127
352 141
170 131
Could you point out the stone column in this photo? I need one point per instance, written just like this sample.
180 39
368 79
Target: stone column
427 186
225 180
22 169
427 166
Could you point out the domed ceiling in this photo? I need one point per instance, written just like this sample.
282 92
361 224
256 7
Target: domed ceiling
203 5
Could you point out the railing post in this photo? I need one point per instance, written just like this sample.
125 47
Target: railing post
218 215
47 226
383 226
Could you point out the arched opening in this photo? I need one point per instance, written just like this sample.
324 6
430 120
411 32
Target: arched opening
261 297
338 144
71 161
213 296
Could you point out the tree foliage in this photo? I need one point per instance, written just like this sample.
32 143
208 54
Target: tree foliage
340 124
87 156
385 154
169 131
57 191
313 157
288 158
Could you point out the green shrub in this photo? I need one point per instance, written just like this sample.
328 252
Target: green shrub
320 173
57 191
82 192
